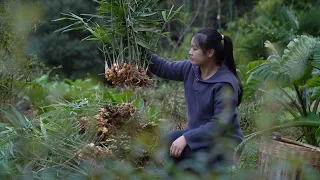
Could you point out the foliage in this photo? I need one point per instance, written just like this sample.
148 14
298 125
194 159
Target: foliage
275 20
55 145
29 146
16 68
129 28
82 98
291 79
248 111
63 142
54 49
169 100
43 93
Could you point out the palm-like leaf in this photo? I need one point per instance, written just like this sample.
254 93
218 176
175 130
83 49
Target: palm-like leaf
298 54
292 65
250 87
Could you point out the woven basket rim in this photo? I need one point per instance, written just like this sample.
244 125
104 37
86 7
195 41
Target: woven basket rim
313 149
289 151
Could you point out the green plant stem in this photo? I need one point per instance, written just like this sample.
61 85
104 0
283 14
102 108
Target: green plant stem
292 100
307 100
122 49
309 137
138 55
294 114
300 100
313 66
105 51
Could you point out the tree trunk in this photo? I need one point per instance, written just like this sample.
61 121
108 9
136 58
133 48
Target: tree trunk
205 13
219 14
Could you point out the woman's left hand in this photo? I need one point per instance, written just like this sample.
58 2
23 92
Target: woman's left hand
178 146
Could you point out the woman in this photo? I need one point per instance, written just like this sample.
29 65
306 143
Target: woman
212 92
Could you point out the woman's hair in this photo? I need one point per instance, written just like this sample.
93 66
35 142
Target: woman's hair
208 39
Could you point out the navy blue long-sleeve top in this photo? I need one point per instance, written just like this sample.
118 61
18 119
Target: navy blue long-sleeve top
211 104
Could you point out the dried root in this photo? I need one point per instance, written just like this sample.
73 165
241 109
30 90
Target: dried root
93 153
147 127
81 124
114 139
128 75
110 117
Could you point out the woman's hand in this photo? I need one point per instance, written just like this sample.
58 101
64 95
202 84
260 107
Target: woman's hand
178 146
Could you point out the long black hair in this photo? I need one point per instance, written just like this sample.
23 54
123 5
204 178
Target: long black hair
208 39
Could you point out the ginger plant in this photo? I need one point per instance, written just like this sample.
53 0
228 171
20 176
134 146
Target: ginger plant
127 30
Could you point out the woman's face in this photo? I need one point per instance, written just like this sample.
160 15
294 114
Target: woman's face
199 57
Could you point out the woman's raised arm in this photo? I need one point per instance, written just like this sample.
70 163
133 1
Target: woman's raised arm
165 69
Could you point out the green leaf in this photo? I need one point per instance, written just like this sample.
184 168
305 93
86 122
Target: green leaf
143 43
147 14
64 28
250 87
5 131
2 125
138 103
313 82
12 119
151 113
290 18
310 117
292 66
127 94
255 64
164 15
144 4
122 97
316 58
297 54
63 18
285 116
43 130
143 29
316 93
47 127
22 119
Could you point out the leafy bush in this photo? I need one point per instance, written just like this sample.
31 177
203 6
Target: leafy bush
275 20
16 68
55 140
292 80
248 111
169 100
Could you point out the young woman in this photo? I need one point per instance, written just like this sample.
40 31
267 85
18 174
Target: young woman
212 92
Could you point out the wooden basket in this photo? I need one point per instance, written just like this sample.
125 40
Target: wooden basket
282 161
